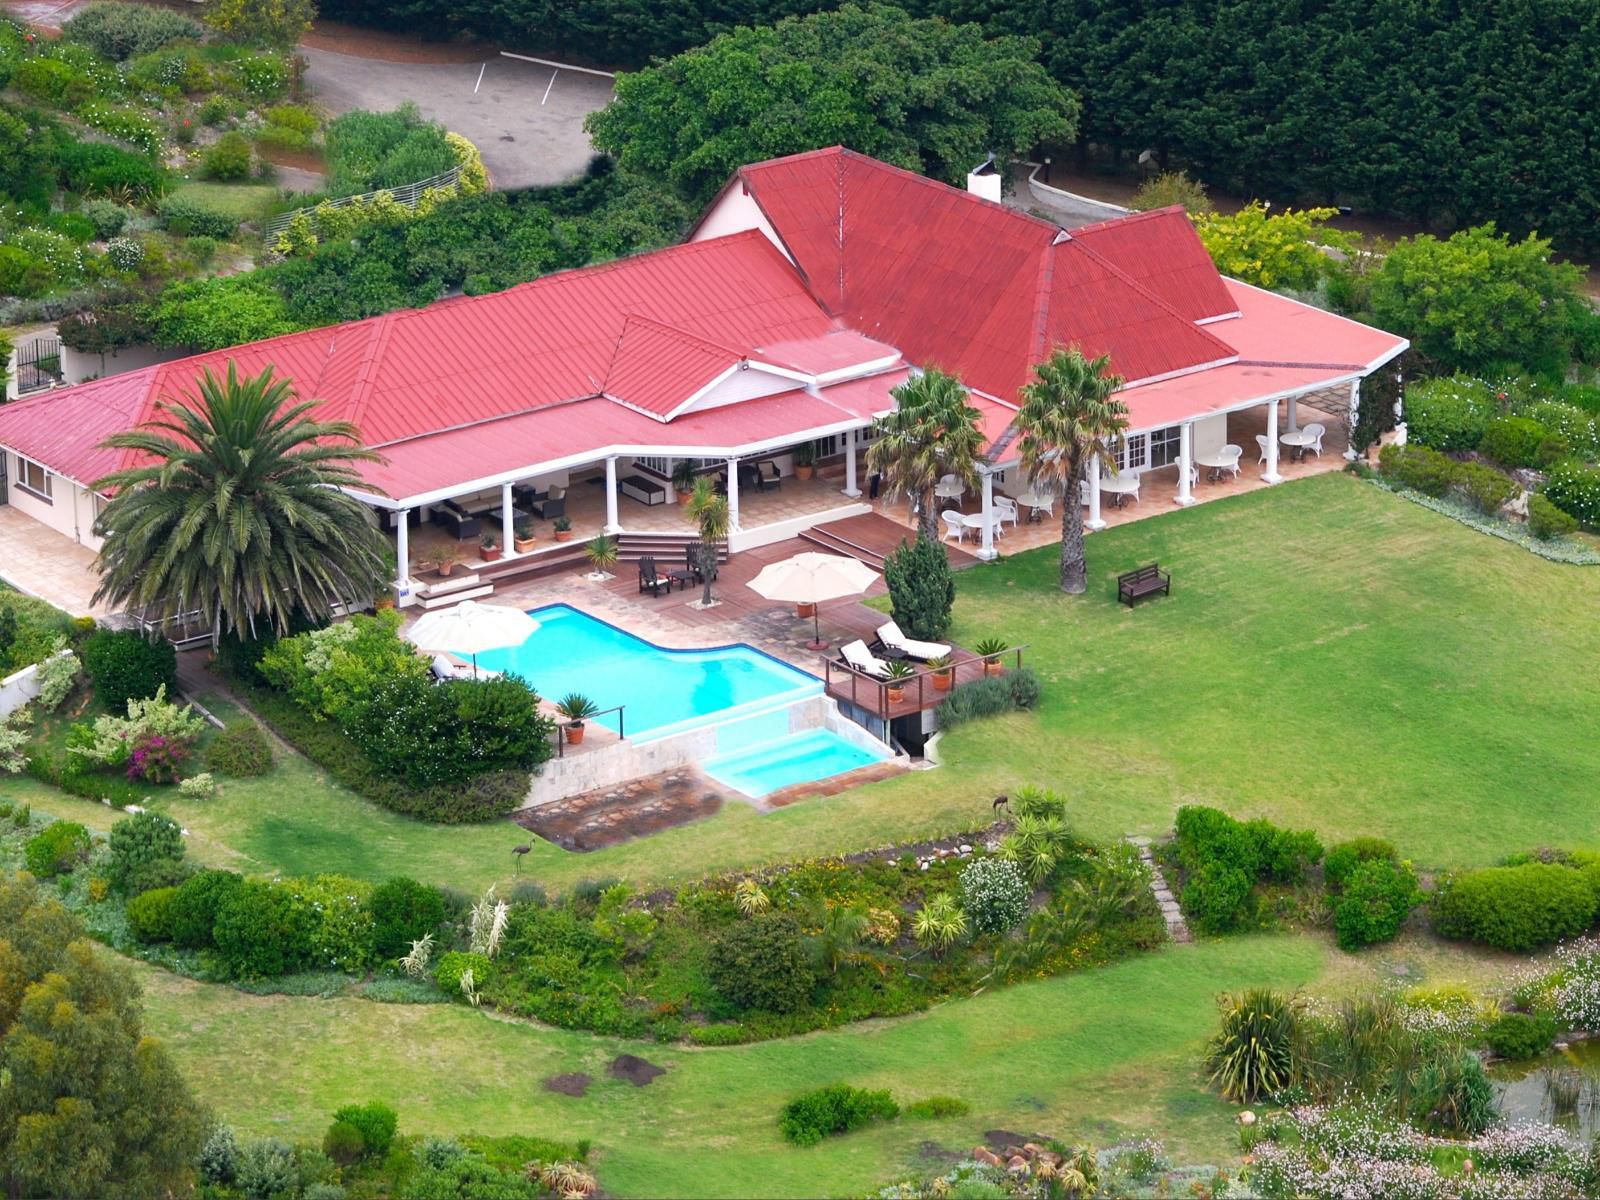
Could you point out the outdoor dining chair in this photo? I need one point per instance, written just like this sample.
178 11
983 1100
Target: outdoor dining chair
1005 509
953 526
1232 454
1261 445
1315 430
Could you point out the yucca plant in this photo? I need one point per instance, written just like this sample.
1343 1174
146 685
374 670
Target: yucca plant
750 898
601 552
1037 844
1256 1052
940 923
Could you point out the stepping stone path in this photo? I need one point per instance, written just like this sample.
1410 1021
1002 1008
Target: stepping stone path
1176 929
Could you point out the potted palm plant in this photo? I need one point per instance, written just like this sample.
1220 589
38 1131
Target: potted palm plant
899 671
441 558
683 476
601 552
576 708
523 532
490 544
563 528
805 460
990 649
943 672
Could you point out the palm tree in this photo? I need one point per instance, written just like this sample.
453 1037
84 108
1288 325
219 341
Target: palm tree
235 511
1071 419
710 512
932 432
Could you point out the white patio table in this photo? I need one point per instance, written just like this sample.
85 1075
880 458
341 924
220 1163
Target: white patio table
1119 487
1036 503
975 522
1217 463
1298 439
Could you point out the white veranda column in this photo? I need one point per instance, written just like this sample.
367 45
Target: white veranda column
1355 416
402 554
987 550
508 519
612 525
733 495
1185 462
1293 414
1094 521
1272 475
850 439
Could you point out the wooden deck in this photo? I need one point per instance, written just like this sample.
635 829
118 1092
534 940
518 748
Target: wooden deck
870 537
921 693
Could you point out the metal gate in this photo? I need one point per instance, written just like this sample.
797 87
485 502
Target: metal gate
38 365
5 490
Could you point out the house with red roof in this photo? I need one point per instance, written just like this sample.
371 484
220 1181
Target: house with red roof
808 290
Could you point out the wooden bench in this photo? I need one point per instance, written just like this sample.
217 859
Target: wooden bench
1133 586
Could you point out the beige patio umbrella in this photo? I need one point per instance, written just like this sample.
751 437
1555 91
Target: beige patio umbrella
470 627
812 578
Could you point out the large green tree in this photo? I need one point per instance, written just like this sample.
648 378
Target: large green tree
1479 301
932 432
924 94
233 509
89 1105
1071 420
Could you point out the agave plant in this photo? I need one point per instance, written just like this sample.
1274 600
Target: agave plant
1256 1053
750 898
991 648
940 923
601 552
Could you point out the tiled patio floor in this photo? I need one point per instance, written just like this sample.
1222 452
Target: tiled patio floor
35 558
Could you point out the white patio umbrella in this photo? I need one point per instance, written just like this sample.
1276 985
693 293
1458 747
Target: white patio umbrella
812 578
471 627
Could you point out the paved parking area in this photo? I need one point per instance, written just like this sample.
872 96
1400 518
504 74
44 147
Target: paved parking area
525 118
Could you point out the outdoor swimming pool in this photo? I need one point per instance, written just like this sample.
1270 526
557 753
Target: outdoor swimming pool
663 690
803 757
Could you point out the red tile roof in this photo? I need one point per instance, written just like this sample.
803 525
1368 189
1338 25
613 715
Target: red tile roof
962 283
656 368
1161 250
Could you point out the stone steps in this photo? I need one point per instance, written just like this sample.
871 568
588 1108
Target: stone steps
1177 929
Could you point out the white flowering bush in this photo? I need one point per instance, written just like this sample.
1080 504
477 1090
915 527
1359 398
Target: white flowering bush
125 253
1357 1153
994 894
1567 985
56 675
13 737
199 787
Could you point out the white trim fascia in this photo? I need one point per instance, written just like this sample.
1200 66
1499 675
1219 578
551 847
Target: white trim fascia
48 468
587 457
861 370
744 364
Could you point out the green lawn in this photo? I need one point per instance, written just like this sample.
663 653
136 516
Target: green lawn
1331 656
1100 1055
246 201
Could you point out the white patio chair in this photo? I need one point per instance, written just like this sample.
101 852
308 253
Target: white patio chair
953 525
949 487
858 656
891 637
1047 502
1005 509
1315 430
1231 455
1083 492
1261 445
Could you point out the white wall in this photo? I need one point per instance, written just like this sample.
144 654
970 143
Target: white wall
735 212
76 366
743 385
778 531
19 689
69 512
1210 435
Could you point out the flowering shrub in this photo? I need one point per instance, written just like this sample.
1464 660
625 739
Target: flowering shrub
199 787
994 894
124 253
56 676
125 124
1451 413
157 759
1575 490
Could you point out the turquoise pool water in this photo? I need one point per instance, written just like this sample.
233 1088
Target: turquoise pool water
663 690
766 767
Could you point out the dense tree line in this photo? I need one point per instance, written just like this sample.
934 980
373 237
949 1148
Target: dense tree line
1442 111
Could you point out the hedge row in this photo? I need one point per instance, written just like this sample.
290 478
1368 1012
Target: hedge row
1521 907
482 798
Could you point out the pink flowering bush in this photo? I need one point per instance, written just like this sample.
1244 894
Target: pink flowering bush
157 759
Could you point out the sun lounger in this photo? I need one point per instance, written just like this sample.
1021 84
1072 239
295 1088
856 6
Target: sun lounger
855 654
891 639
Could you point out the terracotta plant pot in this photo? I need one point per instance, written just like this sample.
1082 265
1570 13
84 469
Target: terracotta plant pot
803 472
942 680
446 568
574 734
992 668
805 610
523 545
384 603
685 497
897 693
491 555
563 535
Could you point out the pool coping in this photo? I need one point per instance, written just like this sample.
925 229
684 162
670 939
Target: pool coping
748 709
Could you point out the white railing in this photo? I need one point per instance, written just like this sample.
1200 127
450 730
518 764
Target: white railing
407 194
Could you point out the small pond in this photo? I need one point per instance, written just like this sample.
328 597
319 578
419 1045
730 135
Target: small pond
1562 1088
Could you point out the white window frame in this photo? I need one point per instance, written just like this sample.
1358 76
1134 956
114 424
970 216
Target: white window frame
45 491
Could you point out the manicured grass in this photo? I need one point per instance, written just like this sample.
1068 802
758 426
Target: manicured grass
245 201
1331 656
1100 1055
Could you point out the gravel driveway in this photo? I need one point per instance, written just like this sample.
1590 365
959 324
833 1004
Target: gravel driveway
526 119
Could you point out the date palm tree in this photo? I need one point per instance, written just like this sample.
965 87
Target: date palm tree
233 509
709 512
1071 420
932 432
